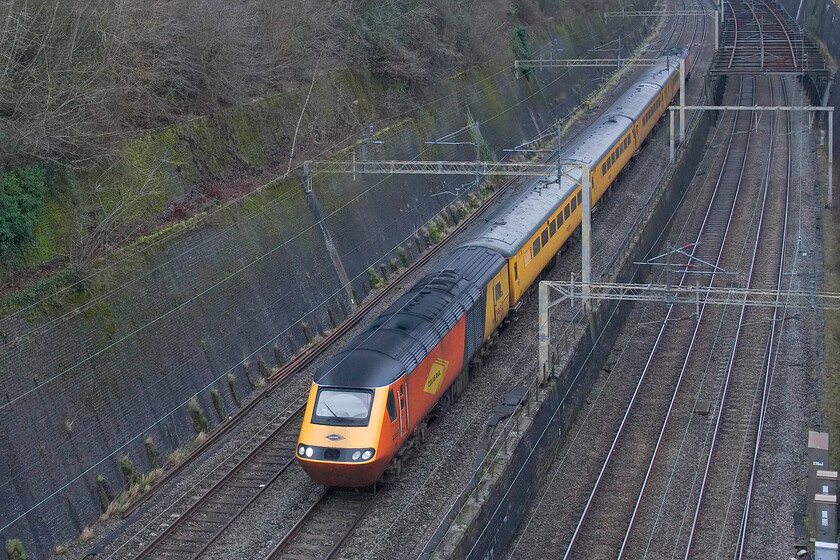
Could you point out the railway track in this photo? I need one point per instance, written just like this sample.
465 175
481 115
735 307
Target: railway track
197 528
612 500
722 504
686 493
325 526
758 37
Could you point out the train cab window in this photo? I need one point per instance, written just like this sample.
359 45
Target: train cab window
544 236
536 246
497 291
566 211
391 406
574 204
552 228
342 407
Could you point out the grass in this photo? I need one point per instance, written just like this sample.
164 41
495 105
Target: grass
831 341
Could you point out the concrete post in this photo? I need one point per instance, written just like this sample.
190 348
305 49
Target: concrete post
544 332
717 30
586 228
671 122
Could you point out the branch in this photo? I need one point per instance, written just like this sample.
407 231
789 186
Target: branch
300 119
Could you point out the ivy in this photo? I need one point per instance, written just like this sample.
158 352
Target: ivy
518 37
21 194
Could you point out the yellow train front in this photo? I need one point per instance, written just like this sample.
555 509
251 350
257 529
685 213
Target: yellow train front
369 398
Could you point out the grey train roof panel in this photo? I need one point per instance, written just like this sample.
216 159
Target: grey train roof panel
598 140
509 226
635 100
401 337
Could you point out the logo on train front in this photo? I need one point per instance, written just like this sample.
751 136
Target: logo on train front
436 374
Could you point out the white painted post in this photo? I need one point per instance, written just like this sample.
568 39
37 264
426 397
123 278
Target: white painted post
717 30
682 100
544 333
586 227
671 122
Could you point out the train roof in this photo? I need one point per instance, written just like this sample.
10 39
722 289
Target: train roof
597 140
508 227
401 337
635 100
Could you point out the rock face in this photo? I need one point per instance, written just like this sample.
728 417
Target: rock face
91 372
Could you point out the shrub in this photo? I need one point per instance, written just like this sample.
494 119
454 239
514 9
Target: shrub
217 404
435 236
152 453
130 473
518 37
375 280
21 193
197 415
104 493
15 551
264 370
231 379
247 367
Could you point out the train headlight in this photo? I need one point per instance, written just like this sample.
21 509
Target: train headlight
367 454
356 455
309 451
301 450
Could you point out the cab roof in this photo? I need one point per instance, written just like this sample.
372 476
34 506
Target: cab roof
397 341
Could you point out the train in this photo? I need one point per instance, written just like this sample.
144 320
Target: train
371 401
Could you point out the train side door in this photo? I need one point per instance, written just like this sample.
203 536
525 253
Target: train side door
402 402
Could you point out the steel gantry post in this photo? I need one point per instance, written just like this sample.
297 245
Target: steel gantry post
585 231
545 332
682 100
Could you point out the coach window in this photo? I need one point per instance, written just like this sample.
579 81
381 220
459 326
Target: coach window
580 197
515 272
536 246
603 169
552 228
566 211
574 204
544 236
391 405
